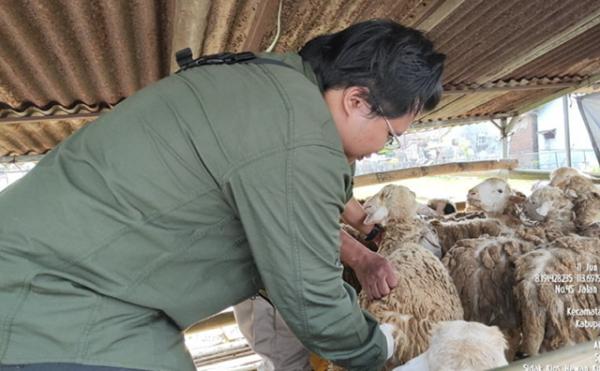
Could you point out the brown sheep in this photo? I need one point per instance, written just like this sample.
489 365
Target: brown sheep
550 311
482 270
586 199
450 232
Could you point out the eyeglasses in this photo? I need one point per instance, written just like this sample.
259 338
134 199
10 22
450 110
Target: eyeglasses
391 132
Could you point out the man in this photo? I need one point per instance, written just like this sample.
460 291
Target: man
198 191
266 331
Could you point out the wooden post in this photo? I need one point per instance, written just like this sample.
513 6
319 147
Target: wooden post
504 136
567 129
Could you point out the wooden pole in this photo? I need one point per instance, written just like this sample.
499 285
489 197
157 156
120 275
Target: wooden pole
504 135
567 129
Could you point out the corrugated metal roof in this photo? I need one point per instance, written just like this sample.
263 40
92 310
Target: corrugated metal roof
68 59
35 138
65 52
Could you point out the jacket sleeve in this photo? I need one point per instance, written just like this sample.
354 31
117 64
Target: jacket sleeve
289 204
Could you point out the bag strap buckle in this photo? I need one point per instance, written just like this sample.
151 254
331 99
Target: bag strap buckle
185 59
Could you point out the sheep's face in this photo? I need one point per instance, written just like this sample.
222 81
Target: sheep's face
492 196
559 176
543 201
392 202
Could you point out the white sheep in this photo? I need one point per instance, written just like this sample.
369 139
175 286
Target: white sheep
556 290
495 197
498 203
397 205
461 346
425 293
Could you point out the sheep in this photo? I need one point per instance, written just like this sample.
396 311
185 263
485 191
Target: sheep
398 204
492 197
442 206
548 283
425 293
552 211
586 199
461 346
562 174
449 233
549 204
482 270
436 207
495 197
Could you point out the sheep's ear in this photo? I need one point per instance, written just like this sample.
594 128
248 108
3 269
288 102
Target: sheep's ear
544 209
517 199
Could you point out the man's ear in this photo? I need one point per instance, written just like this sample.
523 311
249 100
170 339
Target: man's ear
354 102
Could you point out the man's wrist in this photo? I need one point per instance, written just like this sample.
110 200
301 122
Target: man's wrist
354 253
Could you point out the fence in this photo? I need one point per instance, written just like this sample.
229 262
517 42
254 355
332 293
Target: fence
582 159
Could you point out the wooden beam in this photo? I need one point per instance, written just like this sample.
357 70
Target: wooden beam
264 19
438 124
512 123
422 171
592 20
527 174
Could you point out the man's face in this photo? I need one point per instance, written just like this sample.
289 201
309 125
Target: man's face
361 132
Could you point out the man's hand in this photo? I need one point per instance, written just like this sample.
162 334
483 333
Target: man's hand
376 275
374 272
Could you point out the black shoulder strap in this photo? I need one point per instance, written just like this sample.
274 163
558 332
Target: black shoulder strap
185 60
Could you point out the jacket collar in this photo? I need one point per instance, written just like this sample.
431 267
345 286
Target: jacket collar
295 62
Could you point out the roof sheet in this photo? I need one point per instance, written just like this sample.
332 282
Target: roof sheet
64 60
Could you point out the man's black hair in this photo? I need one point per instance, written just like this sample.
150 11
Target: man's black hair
397 65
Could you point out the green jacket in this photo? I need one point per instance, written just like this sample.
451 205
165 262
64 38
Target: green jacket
185 199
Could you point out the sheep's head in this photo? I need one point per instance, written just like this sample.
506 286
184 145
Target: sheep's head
468 345
578 186
441 206
546 203
586 198
493 196
392 202
559 176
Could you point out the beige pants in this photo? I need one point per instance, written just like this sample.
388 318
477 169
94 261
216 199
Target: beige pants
270 337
